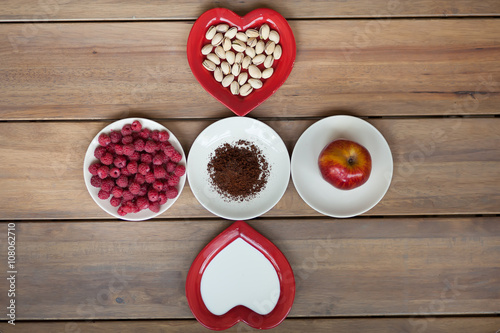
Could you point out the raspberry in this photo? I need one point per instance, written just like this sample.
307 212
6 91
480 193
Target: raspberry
117 192
122 181
159 172
139 179
128 149
104 139
135 156
139 145
154 207
125 171
173 180
132 167
169 151
146 158
129 207
93 168
171 193
155 135
136 126
163 136
142 203
176 157
120 161
143 168
125 207
135 209
107 159
126 130
150 146
103 172
163 145
158 159
95 181
150 177
158 185
171 167
153 195
115 136
134 188
180 170
115 202
127 139
143 191
121 212
103 195
163 198
144 133
127 195
99 152
110 148
115 172
107 185
118 149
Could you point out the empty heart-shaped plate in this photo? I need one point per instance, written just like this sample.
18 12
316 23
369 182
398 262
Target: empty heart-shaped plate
282 67
240 276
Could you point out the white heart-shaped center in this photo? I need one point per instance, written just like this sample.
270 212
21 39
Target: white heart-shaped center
240 275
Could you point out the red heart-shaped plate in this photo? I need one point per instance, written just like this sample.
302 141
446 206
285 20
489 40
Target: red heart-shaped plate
282 67
239 313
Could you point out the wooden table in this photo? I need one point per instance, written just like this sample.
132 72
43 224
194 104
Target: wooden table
425 73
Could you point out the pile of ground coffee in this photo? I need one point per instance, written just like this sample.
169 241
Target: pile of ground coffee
238 171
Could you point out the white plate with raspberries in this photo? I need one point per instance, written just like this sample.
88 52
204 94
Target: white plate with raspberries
135 169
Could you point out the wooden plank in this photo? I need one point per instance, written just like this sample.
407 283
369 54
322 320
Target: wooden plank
363 67
356 267
441 166
30 10
373 325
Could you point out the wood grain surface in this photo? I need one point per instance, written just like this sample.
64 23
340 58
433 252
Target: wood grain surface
441 166
372 325
31 10
355 267
426 73
394 67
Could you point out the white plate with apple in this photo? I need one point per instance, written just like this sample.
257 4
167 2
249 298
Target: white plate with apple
332 172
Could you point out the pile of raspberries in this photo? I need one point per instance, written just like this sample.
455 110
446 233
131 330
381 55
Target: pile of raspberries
138 168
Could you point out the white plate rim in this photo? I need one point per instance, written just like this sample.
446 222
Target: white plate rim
373 131
89 159
190 170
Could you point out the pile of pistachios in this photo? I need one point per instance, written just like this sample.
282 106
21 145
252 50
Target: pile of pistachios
241 59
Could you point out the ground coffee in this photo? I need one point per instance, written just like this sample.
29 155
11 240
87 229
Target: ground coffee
238 171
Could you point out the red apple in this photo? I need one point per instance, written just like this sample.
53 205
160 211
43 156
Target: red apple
345 164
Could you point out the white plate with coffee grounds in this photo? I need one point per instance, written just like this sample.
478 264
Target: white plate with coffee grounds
238 168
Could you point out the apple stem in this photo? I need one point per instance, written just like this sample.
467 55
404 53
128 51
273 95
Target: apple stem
350 161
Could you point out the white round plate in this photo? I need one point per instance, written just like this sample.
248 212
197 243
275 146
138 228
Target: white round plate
230 130
89 159
321 195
